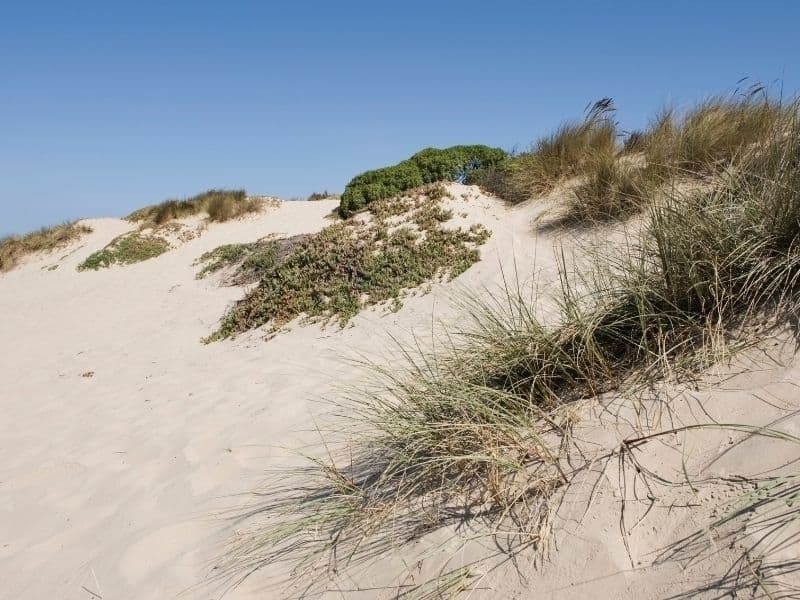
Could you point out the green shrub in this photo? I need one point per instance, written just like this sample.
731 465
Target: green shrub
125 250
378 184
456 162
13 248
426 166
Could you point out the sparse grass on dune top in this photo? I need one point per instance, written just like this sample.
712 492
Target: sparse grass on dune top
13 248
219 205
326 195
479 429
351 264
127 249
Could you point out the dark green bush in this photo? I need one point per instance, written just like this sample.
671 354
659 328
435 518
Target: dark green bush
454 163
426 166
377 184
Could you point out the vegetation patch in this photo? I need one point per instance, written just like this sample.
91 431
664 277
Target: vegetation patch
222 257
479 430
219 205
13 248
125 250
612 189
711 136
251 262
426 166
349 265
568 152
616 181
326 195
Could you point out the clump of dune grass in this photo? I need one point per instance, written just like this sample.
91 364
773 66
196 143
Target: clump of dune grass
227 206
432 454
326 195
352 264
712 135
613 189
477 430
703 142
614 182
126 249
566 153
46 239
218 204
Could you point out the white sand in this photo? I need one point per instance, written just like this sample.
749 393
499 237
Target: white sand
109 484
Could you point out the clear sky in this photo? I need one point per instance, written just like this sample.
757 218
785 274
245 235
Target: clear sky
108 106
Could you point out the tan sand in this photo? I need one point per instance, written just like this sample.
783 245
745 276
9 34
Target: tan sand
122 435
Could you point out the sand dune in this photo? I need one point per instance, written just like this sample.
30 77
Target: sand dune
123 435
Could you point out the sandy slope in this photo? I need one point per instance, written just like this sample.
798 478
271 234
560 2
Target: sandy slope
109 483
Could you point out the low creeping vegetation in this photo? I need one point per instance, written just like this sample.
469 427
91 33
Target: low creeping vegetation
349 265
427 166
126 249
252 262
46 239
223 256
479 429
219 205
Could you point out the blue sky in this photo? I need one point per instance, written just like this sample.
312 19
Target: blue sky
108 106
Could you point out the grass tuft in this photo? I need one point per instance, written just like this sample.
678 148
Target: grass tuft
219 204
616 183
712 135
46 239
566 153
613 189
326 195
